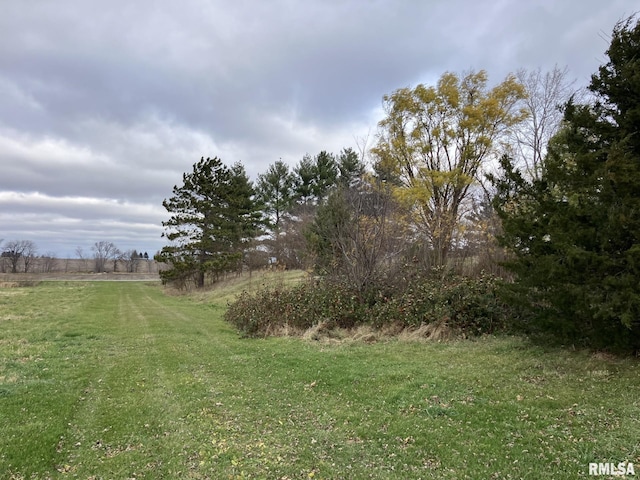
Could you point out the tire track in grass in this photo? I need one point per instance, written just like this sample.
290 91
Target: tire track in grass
237 418
109 431
142 411
48 377
263 415
199 376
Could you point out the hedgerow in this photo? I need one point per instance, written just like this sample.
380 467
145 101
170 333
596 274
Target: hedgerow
471 306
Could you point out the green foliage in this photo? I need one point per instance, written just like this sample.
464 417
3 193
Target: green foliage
298 307
331 220
214 216
275 191
468 306
304 179
350 166
575 231
182 272
359 234
314 177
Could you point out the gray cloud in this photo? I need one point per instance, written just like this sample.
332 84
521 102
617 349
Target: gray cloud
103 105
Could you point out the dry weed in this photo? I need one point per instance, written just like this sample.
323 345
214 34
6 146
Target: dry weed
435 332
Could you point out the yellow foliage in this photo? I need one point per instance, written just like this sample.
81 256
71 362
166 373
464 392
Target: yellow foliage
435 140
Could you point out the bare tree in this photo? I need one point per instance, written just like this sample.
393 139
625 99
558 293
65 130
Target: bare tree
17 250
291 244
360 234
130 260
81 256
48 262
29 254
547 92
104 251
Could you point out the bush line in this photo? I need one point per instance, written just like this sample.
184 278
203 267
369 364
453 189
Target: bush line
468 306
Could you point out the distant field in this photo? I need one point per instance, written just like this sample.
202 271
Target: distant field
18 278
118 380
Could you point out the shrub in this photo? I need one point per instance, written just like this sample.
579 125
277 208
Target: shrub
467 305
298 307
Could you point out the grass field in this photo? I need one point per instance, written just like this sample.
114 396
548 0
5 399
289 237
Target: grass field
108 380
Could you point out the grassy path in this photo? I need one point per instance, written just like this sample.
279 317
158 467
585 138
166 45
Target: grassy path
117 380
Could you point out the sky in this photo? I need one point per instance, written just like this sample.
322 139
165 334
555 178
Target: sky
105 104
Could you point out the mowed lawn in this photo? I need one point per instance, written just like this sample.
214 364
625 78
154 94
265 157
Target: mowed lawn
115 380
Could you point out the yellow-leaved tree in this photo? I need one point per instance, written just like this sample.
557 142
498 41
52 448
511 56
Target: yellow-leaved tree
434 142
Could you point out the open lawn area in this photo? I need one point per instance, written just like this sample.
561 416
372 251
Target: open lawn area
115 380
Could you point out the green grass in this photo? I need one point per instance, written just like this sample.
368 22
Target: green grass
118 380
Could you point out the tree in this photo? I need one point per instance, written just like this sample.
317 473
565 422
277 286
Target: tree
243 213
17 250
434 142
356 235
213 216
290 246
546 94
305 175
275 190
104 251
79 251
29 254
130 259
326 175
314 177
350 166
575 231
48 262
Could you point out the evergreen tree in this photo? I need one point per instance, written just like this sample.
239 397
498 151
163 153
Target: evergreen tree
275 190
350 166
305 175
314 177
213 215
244 212
326 175
575 231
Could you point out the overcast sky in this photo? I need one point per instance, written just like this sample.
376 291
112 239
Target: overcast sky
104 104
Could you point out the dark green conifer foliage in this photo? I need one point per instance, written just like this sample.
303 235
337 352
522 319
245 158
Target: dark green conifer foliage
350 166
575 232
315 177
275 190
213 215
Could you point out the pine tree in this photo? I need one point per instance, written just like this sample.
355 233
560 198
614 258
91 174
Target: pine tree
575 231
213 215
275 190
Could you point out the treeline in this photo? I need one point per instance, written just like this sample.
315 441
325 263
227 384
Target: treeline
526 180
22 256
222 222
